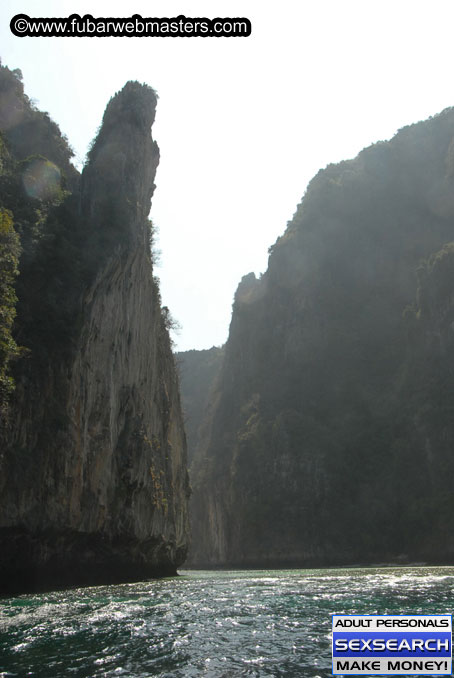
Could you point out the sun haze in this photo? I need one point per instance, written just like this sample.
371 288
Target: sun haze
242 123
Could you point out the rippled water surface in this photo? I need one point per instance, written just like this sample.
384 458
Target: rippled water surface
212 624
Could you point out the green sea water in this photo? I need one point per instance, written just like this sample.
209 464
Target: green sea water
210 624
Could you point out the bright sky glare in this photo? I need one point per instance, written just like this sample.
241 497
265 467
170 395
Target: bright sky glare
243 124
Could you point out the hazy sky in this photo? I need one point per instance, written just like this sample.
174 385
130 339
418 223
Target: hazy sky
243 123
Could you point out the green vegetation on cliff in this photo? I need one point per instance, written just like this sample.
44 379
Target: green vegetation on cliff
36 184
9 258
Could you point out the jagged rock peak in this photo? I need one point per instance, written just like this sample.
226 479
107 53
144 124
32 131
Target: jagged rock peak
118 180
134 105
250 289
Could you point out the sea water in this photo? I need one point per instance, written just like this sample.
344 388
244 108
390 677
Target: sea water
210 624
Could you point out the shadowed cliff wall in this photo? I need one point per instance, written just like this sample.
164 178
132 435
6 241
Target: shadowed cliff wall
323 444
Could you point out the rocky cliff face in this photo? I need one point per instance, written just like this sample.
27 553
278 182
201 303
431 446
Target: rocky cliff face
330 439
198 371
93 480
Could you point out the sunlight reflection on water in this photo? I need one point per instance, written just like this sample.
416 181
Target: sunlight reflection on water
211 624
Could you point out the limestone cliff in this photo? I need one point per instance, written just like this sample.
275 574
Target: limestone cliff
198 373
330 436
93 478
